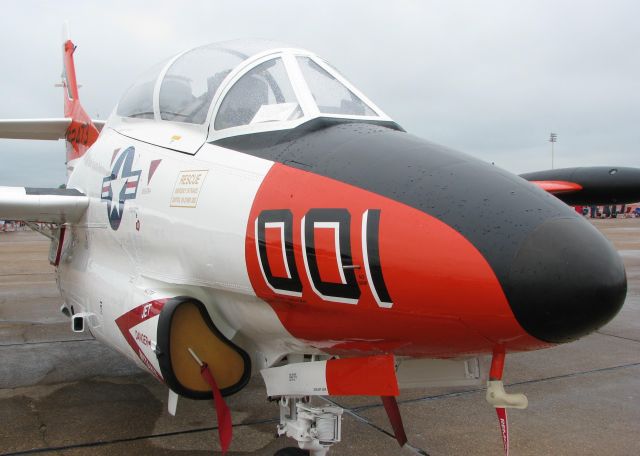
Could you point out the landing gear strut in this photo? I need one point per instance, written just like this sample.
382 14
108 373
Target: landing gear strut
314 428
499 398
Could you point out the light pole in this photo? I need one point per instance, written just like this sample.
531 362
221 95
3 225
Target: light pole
553 138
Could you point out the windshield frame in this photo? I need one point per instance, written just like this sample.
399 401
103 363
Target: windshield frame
300 87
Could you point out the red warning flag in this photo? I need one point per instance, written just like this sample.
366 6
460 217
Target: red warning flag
225 427
504 428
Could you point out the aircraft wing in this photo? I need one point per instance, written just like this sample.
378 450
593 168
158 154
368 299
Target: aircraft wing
48 205
593 185
52 128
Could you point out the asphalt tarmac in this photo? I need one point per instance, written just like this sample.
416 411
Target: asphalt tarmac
65 394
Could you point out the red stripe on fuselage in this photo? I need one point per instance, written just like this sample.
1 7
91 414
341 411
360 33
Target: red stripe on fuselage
446 298
133 318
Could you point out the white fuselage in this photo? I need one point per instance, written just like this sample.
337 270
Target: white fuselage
182 233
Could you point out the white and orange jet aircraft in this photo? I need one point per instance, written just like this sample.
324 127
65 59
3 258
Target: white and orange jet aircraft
246 210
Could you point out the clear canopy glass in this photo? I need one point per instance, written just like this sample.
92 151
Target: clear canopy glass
331 96
244 85
264 94
137 101
190 83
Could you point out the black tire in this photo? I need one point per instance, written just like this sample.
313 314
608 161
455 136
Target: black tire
291 451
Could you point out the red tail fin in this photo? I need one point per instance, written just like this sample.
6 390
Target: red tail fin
82 132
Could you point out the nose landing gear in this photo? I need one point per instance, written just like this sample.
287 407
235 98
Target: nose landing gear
314 428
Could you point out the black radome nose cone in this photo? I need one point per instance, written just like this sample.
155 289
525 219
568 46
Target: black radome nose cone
566 281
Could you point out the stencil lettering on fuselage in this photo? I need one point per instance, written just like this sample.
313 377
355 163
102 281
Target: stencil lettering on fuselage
187 188
137 327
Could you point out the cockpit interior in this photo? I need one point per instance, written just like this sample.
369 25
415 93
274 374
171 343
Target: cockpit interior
235 88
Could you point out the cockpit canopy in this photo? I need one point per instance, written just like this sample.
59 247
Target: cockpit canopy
240 87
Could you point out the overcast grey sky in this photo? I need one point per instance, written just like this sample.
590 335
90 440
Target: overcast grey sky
491 78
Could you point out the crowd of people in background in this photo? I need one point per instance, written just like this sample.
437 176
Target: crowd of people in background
611 211
10 226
